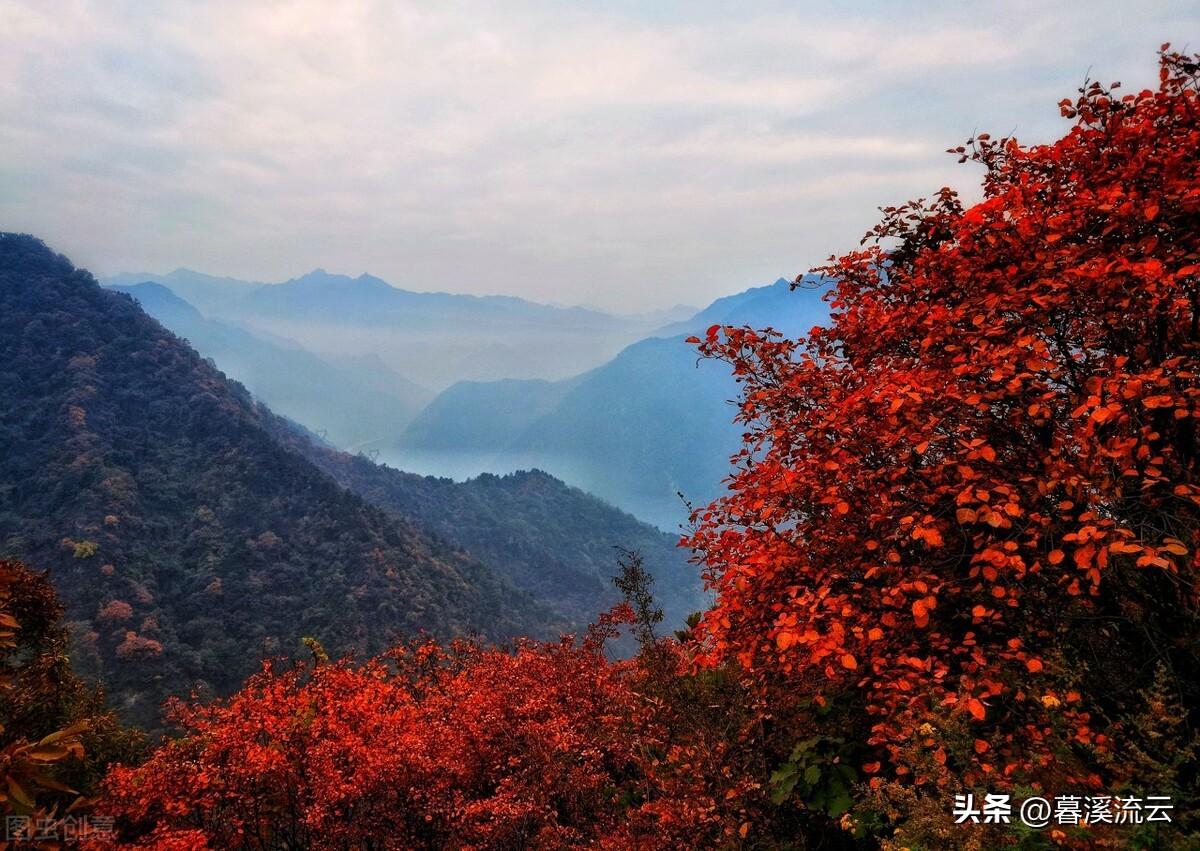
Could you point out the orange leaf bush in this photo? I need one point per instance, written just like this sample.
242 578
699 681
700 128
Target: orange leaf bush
429 747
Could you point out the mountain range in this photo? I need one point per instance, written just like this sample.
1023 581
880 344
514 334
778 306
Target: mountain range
433 338
648 429
652 424
191 531
352 401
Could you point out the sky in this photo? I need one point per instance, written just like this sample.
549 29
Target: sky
628 155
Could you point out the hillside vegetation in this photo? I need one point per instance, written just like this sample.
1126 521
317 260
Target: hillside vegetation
186 542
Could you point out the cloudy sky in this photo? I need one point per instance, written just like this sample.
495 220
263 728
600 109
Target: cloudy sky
593 153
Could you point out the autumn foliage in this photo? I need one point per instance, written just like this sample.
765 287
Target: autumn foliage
541 746
56 737
959 552
969 509
427 747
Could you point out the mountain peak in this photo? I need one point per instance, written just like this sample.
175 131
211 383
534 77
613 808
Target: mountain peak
29 249
157 300
367 278
319 277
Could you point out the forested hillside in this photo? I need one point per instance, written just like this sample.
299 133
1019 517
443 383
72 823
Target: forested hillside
353 403
554 541
549 539
186 542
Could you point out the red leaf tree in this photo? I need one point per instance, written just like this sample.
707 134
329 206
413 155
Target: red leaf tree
971 503
460 747
544 746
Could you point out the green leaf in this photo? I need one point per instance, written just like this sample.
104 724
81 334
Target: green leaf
839 804
804 747
783 783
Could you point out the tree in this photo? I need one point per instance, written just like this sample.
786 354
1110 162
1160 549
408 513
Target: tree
56 737
543 746
635 582
968 510
428 746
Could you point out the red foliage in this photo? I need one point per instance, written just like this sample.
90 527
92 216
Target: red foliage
134 646
461 748
545 746
115 611
990 451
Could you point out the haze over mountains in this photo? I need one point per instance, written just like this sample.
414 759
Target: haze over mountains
433 339
650 424
351 401
637 422
190 530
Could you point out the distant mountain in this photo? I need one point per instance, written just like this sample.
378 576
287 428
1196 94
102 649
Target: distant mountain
653 422
370 371
792 312
455 419
554 541
353 404
206 292
320 296
161 302
435 338
184 538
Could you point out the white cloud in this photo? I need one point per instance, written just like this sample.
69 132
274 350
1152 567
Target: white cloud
558 151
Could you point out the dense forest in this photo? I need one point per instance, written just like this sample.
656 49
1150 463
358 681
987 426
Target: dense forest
956 564
185 541
556 542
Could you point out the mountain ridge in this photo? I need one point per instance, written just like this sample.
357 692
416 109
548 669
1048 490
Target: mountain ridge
185 539
652 422
183 280
547 538
353 404
435 337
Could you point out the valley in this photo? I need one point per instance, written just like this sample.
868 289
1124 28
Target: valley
192 531
620 408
